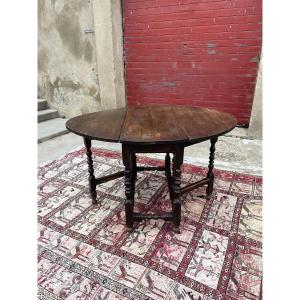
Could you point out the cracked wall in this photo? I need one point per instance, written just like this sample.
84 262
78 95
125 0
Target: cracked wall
67 65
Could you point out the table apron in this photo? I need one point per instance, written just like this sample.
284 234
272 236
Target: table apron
160 148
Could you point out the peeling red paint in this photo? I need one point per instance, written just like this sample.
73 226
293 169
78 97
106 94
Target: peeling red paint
194 53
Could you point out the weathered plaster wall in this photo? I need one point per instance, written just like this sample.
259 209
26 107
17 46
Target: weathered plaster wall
67 65
255 126
109 44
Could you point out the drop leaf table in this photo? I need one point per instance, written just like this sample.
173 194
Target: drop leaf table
153 129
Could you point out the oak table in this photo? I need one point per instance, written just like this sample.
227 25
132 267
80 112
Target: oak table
153 129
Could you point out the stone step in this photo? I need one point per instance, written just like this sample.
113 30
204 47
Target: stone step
50 129
47 114
42 104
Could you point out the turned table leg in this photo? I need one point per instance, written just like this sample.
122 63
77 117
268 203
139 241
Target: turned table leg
134 168
133 178
210 175
92 180
176 189
167 165
168 173
129 161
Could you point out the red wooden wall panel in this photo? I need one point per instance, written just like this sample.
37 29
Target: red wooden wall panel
193 52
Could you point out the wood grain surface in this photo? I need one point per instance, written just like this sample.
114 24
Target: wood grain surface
153 124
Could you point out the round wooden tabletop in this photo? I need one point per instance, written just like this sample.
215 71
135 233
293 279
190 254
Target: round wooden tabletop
155 124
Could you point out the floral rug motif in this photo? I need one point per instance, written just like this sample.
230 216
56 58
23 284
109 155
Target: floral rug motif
85 252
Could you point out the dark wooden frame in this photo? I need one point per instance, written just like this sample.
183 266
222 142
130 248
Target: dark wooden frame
172 172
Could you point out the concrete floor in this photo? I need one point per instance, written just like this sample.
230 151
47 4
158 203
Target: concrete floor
234 152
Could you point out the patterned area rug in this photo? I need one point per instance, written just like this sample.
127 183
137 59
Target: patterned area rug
85 252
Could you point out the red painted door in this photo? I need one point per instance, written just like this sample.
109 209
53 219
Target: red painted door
193 52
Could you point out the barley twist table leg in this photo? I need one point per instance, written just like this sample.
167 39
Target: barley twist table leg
176 182
134 168
133 175
129 186
167 165
92 182
210 175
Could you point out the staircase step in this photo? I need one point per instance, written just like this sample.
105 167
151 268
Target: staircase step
42 104
47 114
51 129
